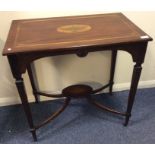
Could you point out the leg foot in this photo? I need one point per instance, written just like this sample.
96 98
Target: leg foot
127 120
34 135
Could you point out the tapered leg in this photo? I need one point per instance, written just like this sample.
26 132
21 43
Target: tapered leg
33 82
23 97
134 83
112 71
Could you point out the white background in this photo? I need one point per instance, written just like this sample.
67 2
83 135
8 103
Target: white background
75 5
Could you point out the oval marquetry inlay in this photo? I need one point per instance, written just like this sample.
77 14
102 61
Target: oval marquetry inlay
76 28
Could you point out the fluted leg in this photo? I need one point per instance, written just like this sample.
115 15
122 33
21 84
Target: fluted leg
23 97
112 71
134 83
33 82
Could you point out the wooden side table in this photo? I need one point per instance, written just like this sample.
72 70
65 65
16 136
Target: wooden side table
32 39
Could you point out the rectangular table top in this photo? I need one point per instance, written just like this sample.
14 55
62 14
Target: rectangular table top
32 35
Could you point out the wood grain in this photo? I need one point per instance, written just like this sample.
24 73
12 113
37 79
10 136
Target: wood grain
42 34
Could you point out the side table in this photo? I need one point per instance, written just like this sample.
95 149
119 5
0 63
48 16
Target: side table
32 39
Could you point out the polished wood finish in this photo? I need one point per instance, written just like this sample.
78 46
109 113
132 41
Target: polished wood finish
49 95
103 107
112 70
33 82
134 83
77 91
42 34
23 97
57 113
32 39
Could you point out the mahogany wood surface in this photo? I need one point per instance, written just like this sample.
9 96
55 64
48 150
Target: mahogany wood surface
70 32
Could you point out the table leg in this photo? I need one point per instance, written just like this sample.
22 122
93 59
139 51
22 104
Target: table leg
23 97
33 82
134 83
112 71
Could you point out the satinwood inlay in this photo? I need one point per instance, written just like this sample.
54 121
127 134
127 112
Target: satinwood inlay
76 28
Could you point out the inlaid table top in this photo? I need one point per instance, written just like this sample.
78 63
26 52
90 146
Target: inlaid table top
49 34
